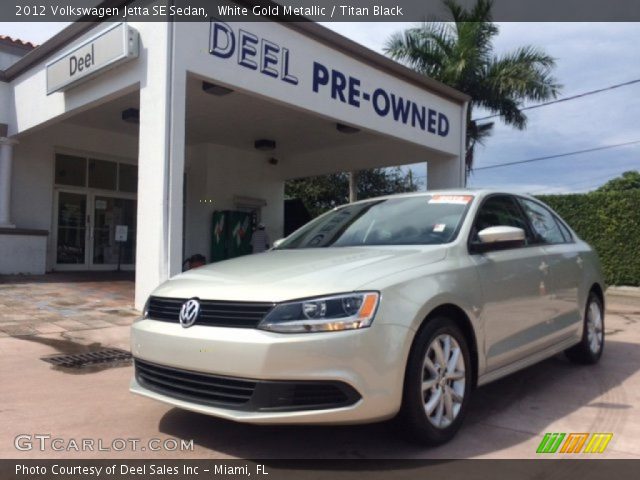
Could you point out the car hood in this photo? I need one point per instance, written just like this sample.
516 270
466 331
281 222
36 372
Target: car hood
289 274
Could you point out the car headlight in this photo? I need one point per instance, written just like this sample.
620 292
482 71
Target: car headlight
347 311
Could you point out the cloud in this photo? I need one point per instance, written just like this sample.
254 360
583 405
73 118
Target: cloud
371 35
589 56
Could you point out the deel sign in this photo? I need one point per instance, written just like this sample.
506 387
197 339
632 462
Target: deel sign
78 63
252 52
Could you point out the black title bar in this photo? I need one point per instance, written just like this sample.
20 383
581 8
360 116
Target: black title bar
313 10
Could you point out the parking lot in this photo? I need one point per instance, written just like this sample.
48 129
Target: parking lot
41 316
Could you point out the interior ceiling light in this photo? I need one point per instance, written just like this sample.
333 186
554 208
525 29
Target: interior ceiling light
342 128
264 144
214 89
131 115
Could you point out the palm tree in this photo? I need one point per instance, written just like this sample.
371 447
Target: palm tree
460 54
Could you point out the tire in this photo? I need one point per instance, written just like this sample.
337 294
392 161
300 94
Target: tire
589 350
426 426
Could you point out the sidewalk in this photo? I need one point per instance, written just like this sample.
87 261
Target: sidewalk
61 302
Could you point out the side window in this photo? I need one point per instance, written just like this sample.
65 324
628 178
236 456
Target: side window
565 231
543 222
500 210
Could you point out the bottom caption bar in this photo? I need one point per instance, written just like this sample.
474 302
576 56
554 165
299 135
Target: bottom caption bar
325 469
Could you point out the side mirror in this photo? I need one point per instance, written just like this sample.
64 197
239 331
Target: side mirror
278 242
497 238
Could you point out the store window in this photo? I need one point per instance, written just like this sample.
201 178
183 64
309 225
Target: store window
77 171
110 212
128 178
103 174
72 210
71 170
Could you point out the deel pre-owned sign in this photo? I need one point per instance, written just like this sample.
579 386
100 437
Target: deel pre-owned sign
111 47
330 82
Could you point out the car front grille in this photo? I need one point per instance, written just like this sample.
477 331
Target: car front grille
243 394
204 388
215 313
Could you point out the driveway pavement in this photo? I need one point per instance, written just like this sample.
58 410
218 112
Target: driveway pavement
64 302
507 419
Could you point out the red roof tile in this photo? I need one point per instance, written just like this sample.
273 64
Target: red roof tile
16 42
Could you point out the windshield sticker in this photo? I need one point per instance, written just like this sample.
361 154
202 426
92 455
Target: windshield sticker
456 199
439 227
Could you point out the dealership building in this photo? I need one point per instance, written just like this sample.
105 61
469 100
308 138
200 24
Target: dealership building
120 141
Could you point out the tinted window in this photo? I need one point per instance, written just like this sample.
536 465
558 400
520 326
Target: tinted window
499 210
420 220
565 231
128 178
102 174
543 222
71 170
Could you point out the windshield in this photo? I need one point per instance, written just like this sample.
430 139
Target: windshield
418 220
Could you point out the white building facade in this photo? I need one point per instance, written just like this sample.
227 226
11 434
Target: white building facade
154 126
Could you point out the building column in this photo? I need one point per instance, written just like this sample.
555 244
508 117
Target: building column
161 152
6 163
444 173
450 172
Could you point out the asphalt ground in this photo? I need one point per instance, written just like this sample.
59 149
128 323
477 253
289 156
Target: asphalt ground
42 316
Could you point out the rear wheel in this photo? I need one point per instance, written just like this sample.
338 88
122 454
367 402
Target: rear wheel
437 383
590 348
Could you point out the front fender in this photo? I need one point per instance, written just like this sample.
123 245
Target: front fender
409 298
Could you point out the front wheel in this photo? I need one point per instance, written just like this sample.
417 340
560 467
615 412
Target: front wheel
590 348
437 383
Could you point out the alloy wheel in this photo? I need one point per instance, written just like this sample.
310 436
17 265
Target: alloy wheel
443 381
594 327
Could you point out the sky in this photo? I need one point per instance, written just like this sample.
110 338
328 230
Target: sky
588 56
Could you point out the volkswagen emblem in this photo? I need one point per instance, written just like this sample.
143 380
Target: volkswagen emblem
189 312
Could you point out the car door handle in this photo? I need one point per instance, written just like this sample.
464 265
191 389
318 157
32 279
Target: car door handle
544 268
579 261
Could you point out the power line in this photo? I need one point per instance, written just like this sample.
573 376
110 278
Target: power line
567 154
599 178
566 99
548 157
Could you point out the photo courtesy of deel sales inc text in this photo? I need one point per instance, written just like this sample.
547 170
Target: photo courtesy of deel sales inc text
295 239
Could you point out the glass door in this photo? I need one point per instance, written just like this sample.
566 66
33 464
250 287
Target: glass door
108 213
71 230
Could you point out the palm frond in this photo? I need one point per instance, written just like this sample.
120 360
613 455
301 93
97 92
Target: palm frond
460 54
510 80
523 74
424 48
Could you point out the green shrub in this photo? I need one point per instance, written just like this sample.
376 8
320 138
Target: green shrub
610 222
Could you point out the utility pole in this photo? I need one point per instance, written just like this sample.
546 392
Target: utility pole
353 186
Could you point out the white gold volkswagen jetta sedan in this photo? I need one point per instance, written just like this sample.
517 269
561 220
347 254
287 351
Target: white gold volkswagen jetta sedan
398 305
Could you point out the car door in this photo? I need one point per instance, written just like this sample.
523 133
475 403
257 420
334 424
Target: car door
565 271
513 283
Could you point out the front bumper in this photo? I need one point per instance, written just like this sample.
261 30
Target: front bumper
370 362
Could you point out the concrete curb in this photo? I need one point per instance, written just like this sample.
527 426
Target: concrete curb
624 291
